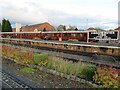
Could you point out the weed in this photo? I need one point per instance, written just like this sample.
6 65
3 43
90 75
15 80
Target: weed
27 70
68 67
107 76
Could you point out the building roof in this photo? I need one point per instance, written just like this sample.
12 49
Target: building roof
91 28
32 25
117 28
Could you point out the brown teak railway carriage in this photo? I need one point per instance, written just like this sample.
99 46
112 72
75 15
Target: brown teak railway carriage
50 35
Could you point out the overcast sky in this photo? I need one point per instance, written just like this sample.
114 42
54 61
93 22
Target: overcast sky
80 13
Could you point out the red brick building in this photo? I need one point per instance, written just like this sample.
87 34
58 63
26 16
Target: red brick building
37 27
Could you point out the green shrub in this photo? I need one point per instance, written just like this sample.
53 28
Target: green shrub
40 59
88 72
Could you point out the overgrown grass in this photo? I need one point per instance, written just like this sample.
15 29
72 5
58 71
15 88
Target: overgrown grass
27 70
68 67
20 56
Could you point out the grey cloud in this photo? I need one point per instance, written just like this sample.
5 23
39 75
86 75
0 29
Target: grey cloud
32 12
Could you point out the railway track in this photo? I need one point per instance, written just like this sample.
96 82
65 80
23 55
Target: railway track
10 82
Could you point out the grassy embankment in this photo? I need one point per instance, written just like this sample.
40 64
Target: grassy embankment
107 76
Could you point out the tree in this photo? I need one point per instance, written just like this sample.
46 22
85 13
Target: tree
72 28
3 25
44 29
61 28
0 27
6 26
9 26
76 29
98 29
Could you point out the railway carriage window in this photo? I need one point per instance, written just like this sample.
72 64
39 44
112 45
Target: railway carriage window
73 35
69 34
45 34
58 34
48 34
53 35
81 35
77 35
65 34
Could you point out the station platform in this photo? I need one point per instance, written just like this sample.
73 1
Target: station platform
97 48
